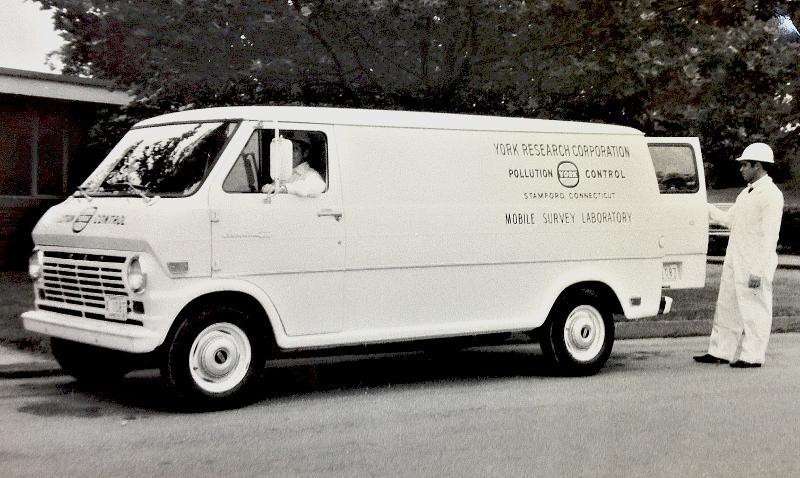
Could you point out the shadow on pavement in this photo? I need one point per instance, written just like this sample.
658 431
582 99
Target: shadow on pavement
142 393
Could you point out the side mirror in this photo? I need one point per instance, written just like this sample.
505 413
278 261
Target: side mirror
280 159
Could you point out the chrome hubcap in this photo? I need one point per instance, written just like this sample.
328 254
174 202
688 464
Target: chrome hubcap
220 357
584 333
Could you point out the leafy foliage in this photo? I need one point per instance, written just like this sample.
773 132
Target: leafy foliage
723 71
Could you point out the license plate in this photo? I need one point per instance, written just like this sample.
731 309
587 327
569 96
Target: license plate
671 272
116 308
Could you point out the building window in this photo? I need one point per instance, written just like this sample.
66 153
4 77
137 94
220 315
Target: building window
16 150
34 147
52 151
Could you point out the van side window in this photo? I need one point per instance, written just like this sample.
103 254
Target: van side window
251 171
676 169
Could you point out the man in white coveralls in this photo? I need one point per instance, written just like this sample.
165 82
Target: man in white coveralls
305 181
743 313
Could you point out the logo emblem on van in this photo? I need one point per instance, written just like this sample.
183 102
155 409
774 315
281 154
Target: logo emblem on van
568 174
83 219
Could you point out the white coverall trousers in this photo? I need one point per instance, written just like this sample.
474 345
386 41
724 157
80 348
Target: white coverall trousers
741 313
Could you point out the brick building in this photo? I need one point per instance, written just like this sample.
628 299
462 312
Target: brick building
44 122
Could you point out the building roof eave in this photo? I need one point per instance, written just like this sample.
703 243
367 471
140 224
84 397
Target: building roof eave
62 87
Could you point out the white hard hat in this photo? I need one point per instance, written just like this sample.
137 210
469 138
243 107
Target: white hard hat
757 152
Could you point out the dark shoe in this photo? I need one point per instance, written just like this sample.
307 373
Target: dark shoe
741 364
708 358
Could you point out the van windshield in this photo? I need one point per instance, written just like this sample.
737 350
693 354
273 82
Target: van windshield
167 160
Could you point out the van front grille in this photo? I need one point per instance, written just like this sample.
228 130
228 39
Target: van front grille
80 282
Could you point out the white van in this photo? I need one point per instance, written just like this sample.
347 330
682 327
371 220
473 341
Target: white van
428 226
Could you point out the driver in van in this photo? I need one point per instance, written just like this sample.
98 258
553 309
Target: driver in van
305 181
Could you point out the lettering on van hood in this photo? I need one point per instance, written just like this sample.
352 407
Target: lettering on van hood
90 216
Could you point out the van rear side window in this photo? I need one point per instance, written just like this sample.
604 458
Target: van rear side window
251 171
676 169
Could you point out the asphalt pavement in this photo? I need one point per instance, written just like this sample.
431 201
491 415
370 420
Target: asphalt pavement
19 364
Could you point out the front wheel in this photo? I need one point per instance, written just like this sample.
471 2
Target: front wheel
579 334
215 357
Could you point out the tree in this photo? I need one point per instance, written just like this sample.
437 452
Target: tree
722 71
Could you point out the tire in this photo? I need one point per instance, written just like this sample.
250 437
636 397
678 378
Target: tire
215 357
90 364
578 335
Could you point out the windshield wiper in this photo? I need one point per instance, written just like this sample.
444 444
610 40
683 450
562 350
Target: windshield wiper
83 192
126 186
147 199
137 190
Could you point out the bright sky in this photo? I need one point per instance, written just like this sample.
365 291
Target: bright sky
27 36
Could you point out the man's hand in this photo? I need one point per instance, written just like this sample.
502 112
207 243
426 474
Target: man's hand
273 188
754 282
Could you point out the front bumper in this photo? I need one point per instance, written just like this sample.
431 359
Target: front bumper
117 336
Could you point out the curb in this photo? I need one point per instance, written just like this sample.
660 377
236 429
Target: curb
43 368
654 329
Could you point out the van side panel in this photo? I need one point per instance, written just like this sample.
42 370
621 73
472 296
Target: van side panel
449 227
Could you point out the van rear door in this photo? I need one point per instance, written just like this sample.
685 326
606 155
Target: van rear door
683 217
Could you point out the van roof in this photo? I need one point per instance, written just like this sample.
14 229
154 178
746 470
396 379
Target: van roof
385 118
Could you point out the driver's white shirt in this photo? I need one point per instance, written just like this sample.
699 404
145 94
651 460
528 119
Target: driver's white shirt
305 181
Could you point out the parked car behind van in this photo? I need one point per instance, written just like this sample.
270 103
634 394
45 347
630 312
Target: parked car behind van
718 234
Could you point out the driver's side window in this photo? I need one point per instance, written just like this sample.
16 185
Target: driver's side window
251 171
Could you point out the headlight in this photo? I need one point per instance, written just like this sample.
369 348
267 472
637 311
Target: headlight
137 280
35 268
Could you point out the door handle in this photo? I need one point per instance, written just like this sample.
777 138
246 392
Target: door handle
330 213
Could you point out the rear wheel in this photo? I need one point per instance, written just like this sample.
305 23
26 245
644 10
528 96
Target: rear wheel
579 333
90 364
215 357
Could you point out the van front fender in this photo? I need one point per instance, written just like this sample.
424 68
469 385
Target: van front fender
205 289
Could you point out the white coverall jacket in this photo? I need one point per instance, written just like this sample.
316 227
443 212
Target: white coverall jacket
754 221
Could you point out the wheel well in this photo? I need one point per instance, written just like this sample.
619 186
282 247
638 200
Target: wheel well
238 299
600 289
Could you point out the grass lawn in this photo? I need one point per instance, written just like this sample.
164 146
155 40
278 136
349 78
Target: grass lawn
698 304
16 296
